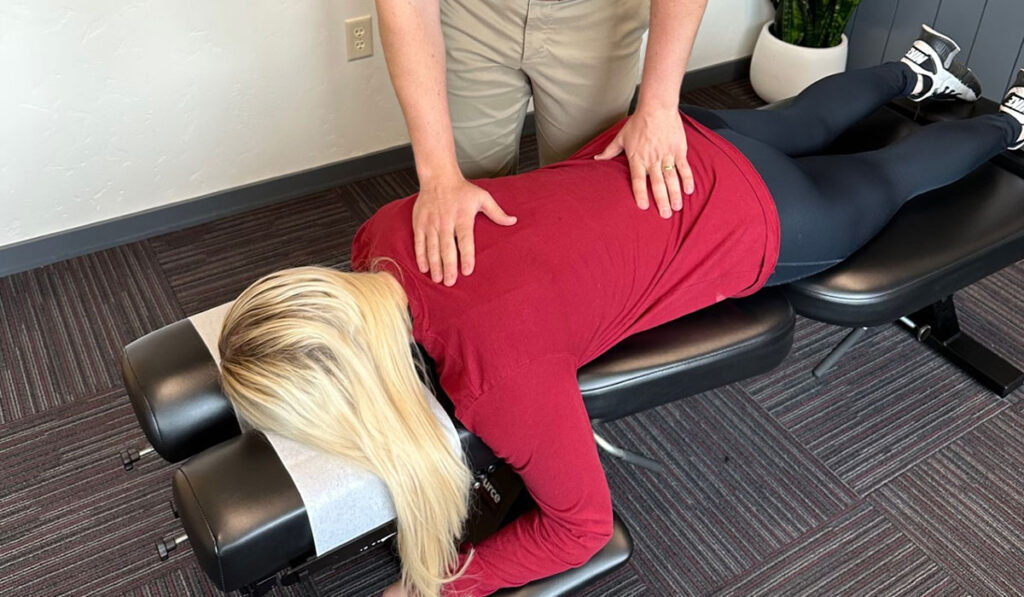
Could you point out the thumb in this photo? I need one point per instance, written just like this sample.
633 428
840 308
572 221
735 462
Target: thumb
614 148
497 215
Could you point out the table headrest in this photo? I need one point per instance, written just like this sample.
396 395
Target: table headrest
173 381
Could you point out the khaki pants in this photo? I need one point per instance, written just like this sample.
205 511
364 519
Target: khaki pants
579 60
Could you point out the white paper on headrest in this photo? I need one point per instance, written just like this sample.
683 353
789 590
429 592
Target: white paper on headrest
209 324
343 501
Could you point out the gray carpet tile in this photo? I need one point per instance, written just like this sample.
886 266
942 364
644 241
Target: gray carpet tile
63 325
181 581
369 195
210 264
624 582
738 489
72 521
964 506
528 158
728 96
858 553
365 575
888 405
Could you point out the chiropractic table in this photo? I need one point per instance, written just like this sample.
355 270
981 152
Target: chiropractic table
936 244
247 522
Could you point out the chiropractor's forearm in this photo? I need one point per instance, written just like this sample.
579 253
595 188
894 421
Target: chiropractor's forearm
410 31
673 28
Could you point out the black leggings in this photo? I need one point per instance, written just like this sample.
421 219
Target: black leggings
830 205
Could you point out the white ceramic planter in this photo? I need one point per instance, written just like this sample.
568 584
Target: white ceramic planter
779 70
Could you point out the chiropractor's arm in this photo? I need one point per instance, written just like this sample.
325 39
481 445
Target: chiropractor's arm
653 137
447 205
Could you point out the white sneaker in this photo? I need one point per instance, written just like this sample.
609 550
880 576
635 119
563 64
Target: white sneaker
1013 104
931 57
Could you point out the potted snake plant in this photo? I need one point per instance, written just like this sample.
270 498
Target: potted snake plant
802 44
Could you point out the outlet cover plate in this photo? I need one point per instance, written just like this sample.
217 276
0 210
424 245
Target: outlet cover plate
359 37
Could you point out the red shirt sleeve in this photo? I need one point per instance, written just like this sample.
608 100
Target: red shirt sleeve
535 420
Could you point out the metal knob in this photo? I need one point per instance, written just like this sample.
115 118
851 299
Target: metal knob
130 456
166 546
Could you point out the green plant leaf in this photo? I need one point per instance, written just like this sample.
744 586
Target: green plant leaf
794 22
808 24
812 23
824 16
843 11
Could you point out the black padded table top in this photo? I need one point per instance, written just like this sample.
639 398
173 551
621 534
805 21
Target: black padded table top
935 245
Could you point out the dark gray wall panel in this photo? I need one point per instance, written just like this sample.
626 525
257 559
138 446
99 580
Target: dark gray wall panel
849 24
997 46
870 32
959 19
910 14
849 31
1016 67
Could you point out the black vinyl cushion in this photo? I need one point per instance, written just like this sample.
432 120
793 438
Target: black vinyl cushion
727 342
937 243
174 387
243 515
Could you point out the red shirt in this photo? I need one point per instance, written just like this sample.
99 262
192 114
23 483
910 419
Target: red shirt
582 269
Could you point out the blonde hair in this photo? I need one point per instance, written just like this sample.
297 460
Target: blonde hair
323 357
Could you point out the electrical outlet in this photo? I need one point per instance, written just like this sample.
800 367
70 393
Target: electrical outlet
359 37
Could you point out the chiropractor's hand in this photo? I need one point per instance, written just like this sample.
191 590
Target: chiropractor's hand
655 144
442 223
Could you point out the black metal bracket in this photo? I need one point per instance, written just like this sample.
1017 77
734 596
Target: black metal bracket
946 337
840 350
628 456
303 576
259 588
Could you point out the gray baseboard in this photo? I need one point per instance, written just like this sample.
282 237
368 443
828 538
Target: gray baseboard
717 74
86 239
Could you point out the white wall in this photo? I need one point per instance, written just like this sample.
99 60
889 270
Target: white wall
729 30
111 107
